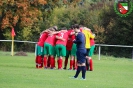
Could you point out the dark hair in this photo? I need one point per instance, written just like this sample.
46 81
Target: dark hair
72 27
76 26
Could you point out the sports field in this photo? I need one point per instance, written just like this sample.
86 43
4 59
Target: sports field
20 72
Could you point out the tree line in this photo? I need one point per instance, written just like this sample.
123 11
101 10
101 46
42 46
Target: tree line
30 17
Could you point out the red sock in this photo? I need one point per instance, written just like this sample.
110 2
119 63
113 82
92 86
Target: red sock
36 61
91 65
48 61
59 63
52 62
42 62
45 61
71 64
65 62
39 61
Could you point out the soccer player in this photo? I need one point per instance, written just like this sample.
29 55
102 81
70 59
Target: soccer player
92 44
61 46
81 52
39 48
51 62
49 47
88 35
91 50
70 50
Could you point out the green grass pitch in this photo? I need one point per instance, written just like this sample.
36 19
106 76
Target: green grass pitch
20 72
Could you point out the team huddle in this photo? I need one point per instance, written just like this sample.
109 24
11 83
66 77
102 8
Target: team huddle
77 42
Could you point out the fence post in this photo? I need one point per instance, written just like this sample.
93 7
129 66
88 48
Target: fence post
35 49
132 54
99 52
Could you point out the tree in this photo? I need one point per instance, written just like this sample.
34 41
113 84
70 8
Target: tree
26 16
118 31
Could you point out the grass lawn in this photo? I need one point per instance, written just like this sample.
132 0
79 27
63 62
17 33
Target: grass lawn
20 72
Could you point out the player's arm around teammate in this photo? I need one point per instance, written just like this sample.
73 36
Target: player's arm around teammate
69 50
49 48
61 46
73 61
88 35
89 60
39 49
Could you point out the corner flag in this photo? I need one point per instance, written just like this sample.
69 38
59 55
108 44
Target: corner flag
12 34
